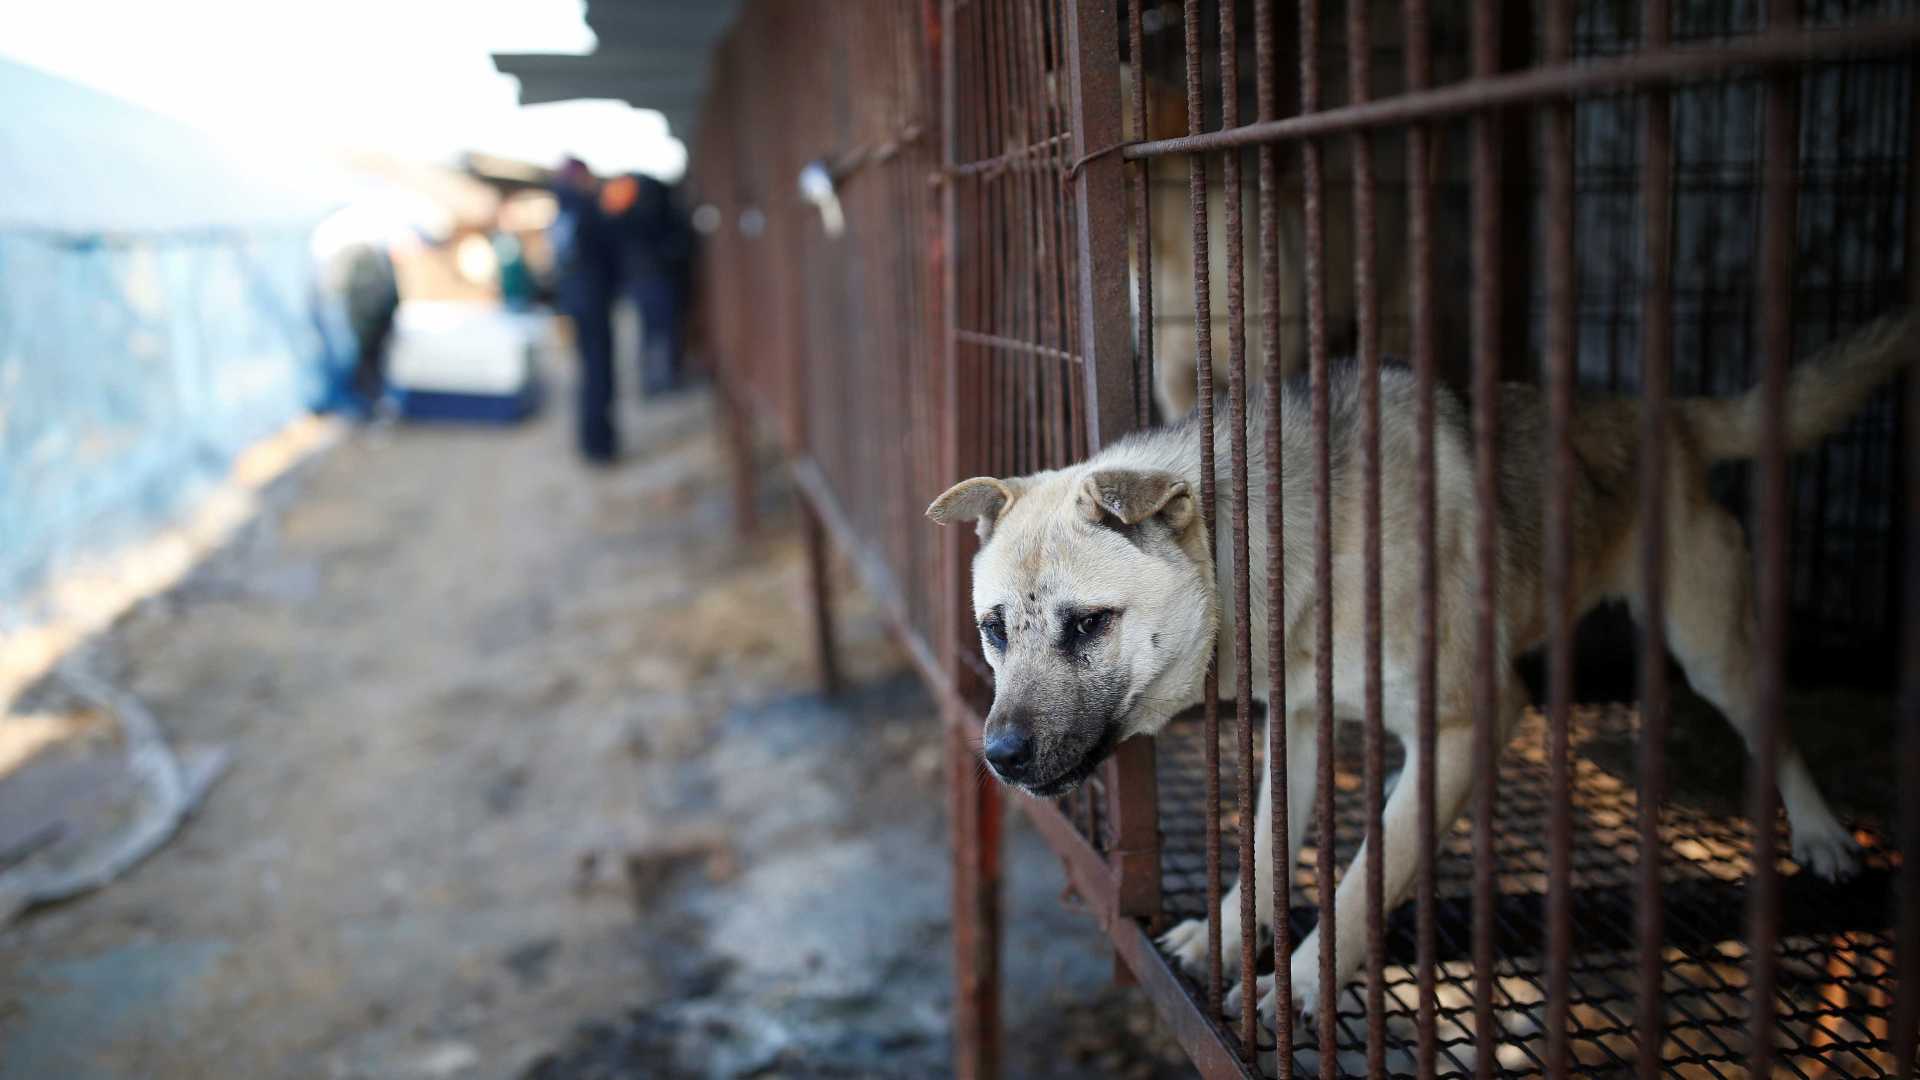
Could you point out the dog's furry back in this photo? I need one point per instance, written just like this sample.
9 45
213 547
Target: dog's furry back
1605 435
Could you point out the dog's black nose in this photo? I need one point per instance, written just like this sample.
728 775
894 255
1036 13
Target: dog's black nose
1009 751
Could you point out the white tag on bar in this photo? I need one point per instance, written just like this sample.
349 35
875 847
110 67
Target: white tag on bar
816 186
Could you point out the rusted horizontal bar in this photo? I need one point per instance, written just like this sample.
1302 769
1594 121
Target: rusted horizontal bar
1655 67
851 162
1205 1042
995 341
1008 159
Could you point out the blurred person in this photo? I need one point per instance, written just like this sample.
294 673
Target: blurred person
516 276
356 298
585 266
656 258
373 298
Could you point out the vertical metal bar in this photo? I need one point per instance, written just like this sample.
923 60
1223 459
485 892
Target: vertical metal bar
1046 190
1322 534
740 455
1489 666
1656 351
1048 314
1065 288
1906 1009
1359 90
786 245
993 53
1024 95
1419 74
1142 177
1041 189
1073 379
1265 51
984 112
892 247
820 598
1203 366
1559 540
1092 50
1077 390
1100 211
1014 233
953 614
951 607
931 344
976 823
980 423
1059 284
1513 52
974 814
1133 807
1131 786
1237 453
925 252
1779 196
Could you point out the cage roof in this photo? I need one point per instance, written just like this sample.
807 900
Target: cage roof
652 54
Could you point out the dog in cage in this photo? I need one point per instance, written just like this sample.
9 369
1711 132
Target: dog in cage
1100 595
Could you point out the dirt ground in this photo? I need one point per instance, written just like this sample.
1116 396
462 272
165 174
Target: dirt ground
528 780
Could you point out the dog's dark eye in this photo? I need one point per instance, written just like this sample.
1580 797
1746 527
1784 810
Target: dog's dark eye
994 629
1088 626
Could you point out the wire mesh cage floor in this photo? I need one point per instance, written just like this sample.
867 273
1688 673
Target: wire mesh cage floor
1835 991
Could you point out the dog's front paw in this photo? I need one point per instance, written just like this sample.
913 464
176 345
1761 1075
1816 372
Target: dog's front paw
1306 1000
1304 973
1306 996
1187 944
1829 852
1231 1006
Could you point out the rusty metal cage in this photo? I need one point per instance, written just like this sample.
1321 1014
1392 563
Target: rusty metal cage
1649 199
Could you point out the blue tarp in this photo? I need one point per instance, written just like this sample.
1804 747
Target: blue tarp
159 311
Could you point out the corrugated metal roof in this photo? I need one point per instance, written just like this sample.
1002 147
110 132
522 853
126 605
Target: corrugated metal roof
652 54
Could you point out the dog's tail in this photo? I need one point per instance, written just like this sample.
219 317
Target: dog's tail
1821 393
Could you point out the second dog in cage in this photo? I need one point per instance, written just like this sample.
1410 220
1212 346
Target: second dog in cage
1099 594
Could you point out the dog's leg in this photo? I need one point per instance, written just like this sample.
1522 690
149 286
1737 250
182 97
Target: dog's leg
1399 827
1188 941
1711 629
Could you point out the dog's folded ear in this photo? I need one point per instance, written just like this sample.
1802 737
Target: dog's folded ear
1131 496
981 499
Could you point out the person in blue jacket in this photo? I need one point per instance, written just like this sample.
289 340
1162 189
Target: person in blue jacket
656 257
586 270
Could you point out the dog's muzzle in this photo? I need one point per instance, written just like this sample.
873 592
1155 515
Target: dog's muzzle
1082 768
1009 752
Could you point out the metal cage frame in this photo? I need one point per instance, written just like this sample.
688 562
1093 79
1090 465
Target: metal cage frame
972 320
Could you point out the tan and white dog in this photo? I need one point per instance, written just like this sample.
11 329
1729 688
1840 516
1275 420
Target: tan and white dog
1099 594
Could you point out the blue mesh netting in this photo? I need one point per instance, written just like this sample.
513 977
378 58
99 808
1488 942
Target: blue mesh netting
131 373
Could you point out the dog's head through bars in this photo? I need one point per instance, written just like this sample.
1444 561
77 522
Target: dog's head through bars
1093 592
